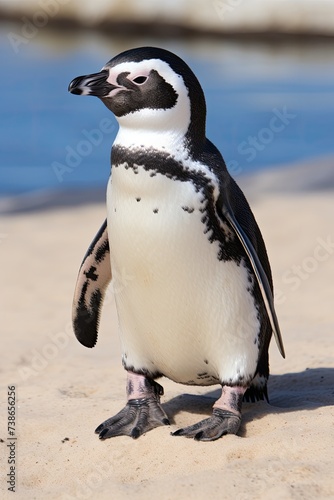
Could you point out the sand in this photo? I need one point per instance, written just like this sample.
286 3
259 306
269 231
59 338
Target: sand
284 449
313 17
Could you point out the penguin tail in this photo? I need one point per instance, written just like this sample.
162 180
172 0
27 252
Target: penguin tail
257 391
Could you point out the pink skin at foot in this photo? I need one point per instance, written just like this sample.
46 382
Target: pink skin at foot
230 399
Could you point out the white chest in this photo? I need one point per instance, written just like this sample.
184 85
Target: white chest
182 312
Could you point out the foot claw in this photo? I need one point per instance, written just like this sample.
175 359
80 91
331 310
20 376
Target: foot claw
177 433
98 429
135 433
220 423
136 418
102 433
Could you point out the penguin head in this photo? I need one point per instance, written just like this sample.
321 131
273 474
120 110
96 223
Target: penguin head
151 89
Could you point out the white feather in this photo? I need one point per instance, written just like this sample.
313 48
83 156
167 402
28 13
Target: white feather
181 311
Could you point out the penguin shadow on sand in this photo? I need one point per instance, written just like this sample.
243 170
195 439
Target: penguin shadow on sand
307 390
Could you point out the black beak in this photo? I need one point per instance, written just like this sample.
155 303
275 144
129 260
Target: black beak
94 84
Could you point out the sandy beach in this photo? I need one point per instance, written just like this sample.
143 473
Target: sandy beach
284 449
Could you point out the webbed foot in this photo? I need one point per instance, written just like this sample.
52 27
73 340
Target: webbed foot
225 419
220 423
142 412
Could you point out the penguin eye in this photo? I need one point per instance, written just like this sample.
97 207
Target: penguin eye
140 79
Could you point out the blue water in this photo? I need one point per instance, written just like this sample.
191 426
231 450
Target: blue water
248 87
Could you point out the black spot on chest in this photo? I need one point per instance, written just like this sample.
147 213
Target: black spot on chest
188 209
157 162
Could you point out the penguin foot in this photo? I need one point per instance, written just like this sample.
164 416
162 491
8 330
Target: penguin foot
220 423
225 419
142 412
136 418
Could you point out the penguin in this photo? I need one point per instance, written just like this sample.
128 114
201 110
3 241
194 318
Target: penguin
192 279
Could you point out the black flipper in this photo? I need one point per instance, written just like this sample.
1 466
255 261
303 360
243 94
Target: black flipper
266 292
93 279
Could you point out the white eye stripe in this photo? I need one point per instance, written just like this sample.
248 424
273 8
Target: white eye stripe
139 69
